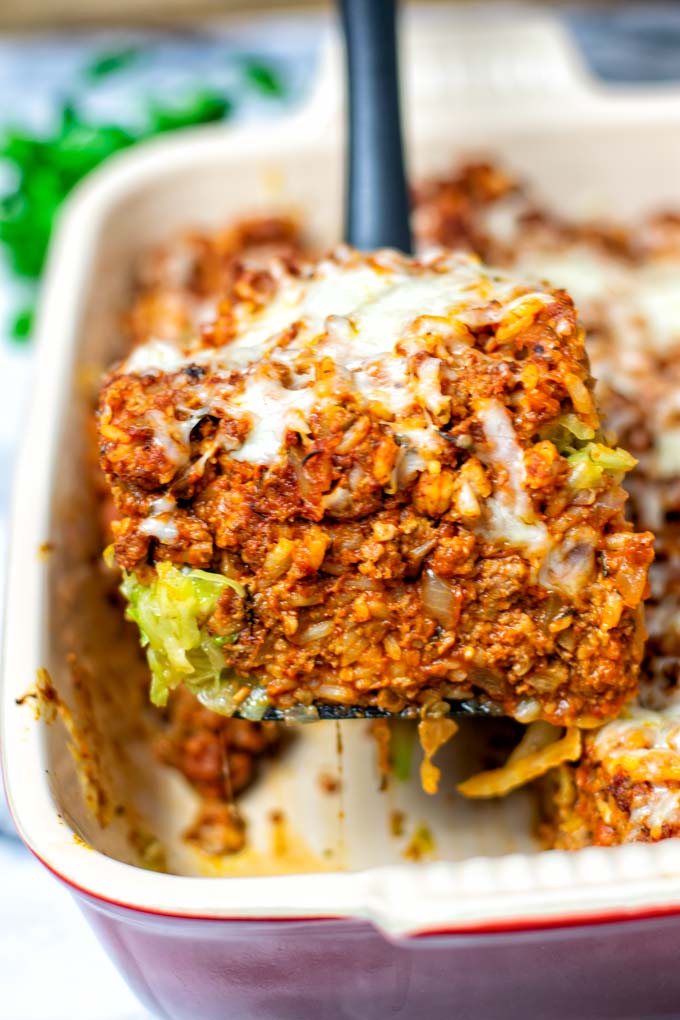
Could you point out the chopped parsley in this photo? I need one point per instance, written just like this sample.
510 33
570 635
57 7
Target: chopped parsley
47 166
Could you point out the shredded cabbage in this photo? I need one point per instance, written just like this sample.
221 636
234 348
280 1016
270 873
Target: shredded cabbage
569 426
538 752
589 465
171 613
589 459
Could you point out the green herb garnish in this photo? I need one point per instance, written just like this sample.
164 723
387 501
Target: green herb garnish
48 167
263 77
202 107
22 323
111 61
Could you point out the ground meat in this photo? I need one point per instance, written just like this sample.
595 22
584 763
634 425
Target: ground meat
218 756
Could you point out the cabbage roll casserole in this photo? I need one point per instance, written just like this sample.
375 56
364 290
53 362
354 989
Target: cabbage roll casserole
377 482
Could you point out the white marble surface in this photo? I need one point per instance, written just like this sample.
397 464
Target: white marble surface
51 967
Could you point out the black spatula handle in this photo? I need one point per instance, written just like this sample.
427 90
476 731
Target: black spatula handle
377 203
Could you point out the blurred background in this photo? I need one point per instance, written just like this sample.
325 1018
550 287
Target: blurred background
81 80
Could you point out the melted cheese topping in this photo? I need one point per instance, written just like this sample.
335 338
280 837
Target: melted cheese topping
667 453
511 517
160 523
658 730
367 316
656 295
641 301
371 320
155 356
645 745
655 808
271 409
354 313
639 306
588 274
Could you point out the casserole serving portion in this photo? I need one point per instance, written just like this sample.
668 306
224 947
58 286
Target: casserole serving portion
375 481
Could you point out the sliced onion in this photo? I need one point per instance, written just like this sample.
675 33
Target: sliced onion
418 554
630 581
255 705
338 502
410 465
570 566
357 431
441 601
536 736
301 476
357 477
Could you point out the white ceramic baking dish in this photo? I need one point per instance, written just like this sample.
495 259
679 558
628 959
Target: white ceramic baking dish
511 931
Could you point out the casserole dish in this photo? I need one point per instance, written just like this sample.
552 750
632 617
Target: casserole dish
494 928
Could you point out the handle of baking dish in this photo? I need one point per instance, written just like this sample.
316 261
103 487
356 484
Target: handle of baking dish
456 62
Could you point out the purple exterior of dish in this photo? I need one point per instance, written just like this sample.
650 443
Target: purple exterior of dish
202 969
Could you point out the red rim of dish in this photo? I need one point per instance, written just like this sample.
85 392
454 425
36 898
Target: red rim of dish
519 924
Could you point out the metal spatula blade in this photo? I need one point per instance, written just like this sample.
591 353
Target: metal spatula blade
323 711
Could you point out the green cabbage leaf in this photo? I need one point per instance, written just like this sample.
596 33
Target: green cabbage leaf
172 612
590 460
590 465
